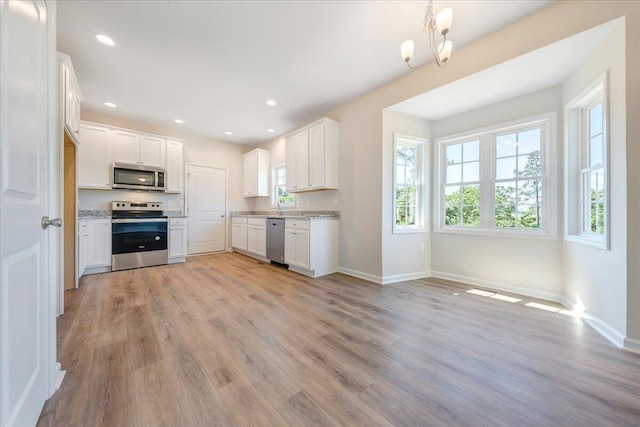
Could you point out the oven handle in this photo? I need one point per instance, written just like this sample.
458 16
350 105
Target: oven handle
133 220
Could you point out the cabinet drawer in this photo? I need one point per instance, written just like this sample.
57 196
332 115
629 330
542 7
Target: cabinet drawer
177 221
258 221
300 224
238 220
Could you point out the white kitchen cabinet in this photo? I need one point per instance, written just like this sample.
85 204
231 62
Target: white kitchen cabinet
297 162
94 245
311 245
177 240
257 237
132 147
256 166
94 153
239 233
175 167
70 96
312 157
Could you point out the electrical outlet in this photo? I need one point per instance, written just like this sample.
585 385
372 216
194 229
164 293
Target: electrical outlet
422 247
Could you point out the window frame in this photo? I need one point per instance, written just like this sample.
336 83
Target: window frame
577 164
487 136
274 187
422 172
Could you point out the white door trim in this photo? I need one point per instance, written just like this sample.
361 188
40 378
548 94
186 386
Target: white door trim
226 200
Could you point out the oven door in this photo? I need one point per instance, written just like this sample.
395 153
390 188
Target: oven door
132 235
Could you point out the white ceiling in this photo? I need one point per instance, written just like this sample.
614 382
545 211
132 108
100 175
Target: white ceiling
214 64
542 68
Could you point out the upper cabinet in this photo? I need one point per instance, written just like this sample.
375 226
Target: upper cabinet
94 154
103 145
70 97
312 157
175 167
256 166
135 148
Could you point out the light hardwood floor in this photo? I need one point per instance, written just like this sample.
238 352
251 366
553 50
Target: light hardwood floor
227 340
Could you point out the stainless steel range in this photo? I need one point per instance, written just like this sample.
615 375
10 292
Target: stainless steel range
139 235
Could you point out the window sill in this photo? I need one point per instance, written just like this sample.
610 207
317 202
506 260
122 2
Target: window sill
491 232
410 230
587 241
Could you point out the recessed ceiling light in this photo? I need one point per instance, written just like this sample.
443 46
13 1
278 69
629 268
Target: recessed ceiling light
270 130
228 133
178 121
272 102
105 40
110 104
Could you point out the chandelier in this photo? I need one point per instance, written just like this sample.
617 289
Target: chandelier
441 23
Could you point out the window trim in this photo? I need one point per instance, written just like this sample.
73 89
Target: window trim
423 173
486 135
274 178
575 150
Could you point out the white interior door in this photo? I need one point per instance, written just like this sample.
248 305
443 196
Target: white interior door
206 209
25 312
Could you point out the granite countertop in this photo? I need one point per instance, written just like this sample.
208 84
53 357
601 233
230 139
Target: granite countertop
100 214
288 214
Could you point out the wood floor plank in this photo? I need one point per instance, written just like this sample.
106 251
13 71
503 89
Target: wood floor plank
227 340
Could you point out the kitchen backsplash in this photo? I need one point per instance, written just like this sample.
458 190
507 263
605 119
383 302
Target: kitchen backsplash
101 199
312 201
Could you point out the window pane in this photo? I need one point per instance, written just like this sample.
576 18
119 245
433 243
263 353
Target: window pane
471 195
471 171
529 216
400 156
410 196
411 216
505 145
452 215
600 218
594 217
529 141
471 151
454 154
529 165
410 155
506 168
400 174
454 174
453 195
411 175
505 193
471 215
530 191
597 185
595 120
505 216
401 215
595 151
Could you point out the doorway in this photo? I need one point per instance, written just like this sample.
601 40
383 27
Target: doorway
206 208
70 195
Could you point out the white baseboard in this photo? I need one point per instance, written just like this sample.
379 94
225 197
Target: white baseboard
549 296
403 277
59 377
604 329
360 275
632 345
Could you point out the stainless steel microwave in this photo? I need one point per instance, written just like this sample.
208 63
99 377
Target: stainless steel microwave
133 176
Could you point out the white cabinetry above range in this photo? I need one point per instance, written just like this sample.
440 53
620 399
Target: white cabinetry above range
311 157
103 145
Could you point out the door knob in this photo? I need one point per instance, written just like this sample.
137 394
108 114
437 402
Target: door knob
221 216
46 222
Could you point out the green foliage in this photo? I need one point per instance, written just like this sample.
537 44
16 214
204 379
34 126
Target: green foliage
406 202
284 198
463 207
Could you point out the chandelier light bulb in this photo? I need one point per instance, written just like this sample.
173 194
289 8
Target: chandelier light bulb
444 18
406 49
444 51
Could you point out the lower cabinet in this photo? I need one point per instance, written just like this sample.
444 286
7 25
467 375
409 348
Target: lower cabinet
94 246
177 240
311 245
239 233
249 236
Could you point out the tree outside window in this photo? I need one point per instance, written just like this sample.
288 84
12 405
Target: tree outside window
280 196
408 184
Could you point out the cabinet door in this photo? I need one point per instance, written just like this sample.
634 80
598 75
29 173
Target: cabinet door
152 151
125 146
290 163
252 239
82 247
261 241
99 250
94 168
302 249
290 247
250 174
302 160
239 236
175 164
316 156
177 242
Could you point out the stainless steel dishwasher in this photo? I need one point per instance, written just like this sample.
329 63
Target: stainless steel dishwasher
275 240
